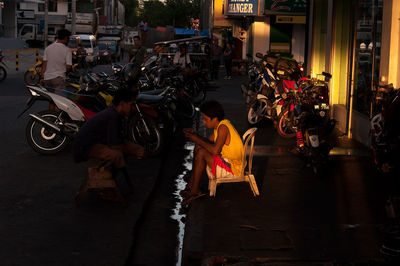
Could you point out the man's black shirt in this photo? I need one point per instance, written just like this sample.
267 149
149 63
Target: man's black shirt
103 128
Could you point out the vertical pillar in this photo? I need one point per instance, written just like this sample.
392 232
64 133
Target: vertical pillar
46 17
73 17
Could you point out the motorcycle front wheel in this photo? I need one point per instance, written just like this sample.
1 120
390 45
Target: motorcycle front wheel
257 111
284 126
3 73
31 78
43 139
145 132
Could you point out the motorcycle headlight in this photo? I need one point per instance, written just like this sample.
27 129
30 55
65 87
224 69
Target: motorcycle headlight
34 93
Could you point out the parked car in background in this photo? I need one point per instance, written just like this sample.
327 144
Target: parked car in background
33 34
113 44
90 45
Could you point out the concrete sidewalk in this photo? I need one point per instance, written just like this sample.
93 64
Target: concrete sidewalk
298 219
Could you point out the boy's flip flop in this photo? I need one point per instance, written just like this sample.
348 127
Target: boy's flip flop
186 202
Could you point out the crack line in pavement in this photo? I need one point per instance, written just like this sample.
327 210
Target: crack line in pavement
180 185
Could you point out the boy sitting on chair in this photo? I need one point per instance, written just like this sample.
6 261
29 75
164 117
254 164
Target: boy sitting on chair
221 154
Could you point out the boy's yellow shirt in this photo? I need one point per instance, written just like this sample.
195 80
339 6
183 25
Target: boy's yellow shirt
234 151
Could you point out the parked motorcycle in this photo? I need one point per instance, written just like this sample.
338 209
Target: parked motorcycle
308 113
3 66
285 126
48 132
32 75
385 128
269 86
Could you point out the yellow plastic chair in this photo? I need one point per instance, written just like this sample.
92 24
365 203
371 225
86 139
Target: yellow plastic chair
245 176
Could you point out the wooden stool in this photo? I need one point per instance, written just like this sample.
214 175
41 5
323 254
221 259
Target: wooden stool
103 177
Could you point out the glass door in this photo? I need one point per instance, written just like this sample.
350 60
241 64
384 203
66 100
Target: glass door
367 52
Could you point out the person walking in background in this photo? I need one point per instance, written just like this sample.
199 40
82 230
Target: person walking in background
228 55
57 61
81 56
216 54
138 53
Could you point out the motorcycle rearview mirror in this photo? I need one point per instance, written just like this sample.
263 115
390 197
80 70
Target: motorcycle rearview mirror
259 55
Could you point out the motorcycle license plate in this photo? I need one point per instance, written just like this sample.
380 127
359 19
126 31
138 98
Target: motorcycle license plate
322 106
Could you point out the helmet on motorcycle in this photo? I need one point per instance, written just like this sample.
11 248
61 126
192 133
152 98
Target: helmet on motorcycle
131 73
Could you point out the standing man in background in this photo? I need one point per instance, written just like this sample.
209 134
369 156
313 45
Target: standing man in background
138 53
57 61
228 55
216 53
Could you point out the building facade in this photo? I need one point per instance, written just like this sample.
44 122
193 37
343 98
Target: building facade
258 26
358 42
8 20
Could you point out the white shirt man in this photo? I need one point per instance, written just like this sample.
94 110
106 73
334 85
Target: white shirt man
58 57
57 60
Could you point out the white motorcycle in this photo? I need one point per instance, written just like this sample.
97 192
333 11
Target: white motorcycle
49 132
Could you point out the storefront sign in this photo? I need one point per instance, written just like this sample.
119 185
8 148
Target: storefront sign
242 7
291 19
285 6
280 47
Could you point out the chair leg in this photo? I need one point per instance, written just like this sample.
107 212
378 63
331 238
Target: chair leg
253 185
212 187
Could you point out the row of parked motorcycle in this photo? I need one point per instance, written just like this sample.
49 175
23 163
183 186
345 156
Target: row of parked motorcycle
166 98
298 105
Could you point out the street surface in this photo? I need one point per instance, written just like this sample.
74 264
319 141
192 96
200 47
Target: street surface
298 216
39 224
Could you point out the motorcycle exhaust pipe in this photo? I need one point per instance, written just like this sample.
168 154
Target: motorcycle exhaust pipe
46 123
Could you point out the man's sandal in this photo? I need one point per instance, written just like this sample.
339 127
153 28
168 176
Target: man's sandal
191 197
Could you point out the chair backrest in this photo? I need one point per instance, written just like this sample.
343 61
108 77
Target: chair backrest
248 136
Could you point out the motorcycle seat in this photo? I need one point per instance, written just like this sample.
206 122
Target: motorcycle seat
147 98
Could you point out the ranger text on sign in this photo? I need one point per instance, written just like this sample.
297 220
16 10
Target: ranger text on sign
240 7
